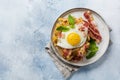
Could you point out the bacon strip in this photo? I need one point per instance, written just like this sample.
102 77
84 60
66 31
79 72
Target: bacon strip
92 30
86 24
78 55
66 52
81 52
88 16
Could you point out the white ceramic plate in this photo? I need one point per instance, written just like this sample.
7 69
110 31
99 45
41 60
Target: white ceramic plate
103 29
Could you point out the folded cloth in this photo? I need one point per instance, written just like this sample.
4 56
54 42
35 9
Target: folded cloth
66 69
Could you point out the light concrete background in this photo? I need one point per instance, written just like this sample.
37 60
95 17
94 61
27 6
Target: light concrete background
25 27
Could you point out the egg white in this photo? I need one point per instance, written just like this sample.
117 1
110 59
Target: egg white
62 42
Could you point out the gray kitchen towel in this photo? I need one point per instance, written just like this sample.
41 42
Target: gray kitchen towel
65 69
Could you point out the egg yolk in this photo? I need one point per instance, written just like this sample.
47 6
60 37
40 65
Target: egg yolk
73 39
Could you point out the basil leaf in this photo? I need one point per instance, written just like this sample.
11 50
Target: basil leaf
91 54
71 20
72 26
92 49
93 46
63 29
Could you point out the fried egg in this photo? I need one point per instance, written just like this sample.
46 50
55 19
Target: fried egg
73 38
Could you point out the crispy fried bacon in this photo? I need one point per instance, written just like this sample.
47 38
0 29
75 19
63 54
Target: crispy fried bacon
92 30
88 16
76 54
81 52
66 52
86 24
94 34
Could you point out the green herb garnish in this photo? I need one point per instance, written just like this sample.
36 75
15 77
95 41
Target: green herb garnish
72 26
63 28
92 49
71 21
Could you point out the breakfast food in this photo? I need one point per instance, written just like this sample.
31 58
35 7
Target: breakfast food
76 38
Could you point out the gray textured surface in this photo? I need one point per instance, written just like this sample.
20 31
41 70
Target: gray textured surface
25 27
